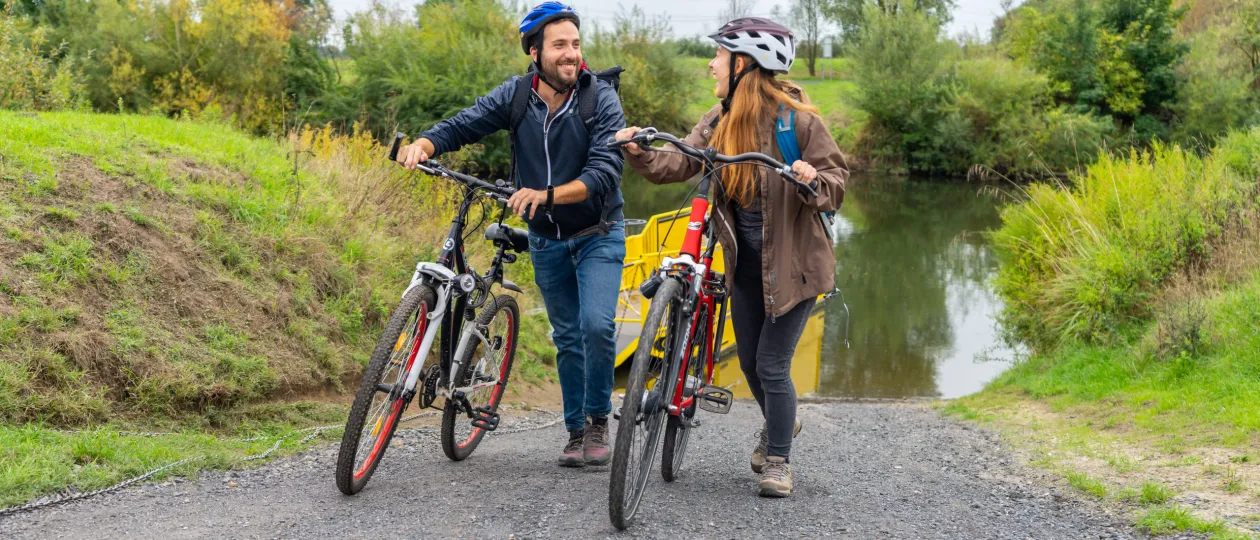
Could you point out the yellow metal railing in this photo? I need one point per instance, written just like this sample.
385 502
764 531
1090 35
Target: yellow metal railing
662 236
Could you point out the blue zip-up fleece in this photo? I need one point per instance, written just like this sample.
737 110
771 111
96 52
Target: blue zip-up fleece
554 153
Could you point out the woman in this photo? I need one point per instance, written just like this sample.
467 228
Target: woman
778 256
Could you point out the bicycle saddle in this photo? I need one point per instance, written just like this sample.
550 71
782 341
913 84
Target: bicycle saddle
516 239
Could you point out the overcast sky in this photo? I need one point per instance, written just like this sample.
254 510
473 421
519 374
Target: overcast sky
699 17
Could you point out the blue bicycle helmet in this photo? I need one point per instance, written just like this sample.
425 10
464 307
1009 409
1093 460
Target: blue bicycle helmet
538 18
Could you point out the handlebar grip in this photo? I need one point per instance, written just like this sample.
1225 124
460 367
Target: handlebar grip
393 150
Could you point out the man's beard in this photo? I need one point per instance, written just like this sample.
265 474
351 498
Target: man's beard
553 74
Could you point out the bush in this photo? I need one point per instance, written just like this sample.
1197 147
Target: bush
31 81
984 111
1084 261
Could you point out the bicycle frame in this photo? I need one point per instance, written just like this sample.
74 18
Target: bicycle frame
453 308
706 297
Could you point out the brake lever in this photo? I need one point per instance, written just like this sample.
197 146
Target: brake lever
790 175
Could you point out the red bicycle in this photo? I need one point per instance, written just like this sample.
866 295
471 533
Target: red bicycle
671 374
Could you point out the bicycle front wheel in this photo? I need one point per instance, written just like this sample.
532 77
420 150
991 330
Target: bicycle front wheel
484 371
378 405
643 410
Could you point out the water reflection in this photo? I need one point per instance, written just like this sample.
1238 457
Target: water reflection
912 263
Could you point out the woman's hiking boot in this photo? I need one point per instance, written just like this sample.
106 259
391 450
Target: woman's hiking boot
776 478
758 459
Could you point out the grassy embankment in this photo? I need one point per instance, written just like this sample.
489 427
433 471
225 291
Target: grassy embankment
159 275
1139 289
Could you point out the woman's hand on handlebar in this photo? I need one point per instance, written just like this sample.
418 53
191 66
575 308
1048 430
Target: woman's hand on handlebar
805 172
411 155
627 134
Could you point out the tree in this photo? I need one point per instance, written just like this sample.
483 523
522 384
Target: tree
850 17
806 19
897 64
736 9
1147 32
1245 35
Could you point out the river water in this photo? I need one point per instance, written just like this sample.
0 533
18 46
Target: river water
913 266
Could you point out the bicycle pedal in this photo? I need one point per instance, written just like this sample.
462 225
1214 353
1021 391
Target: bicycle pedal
716 399
484 419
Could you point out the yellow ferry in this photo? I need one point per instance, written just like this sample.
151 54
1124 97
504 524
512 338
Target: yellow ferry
662 236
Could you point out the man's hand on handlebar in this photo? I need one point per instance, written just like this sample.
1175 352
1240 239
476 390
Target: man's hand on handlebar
627 134
526 198
411 155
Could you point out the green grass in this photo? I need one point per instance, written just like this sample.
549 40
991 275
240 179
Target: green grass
1087 485
41 460
1148 494
139 218
194 303
1206 400
1173 519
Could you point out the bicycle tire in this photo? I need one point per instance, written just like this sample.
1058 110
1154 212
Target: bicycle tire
351 476
451 446
622 505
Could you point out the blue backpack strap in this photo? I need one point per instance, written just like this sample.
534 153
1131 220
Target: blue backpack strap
785 134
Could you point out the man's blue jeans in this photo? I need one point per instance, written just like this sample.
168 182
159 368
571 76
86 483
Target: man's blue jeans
579 279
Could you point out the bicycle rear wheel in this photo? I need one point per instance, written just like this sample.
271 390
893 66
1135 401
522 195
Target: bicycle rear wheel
643 410
487 370
378 405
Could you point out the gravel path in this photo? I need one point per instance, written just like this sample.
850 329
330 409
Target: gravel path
862 471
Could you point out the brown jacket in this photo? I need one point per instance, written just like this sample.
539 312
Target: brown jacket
798 260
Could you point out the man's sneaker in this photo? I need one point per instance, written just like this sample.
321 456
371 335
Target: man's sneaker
571 456
758 459
595 444
776 478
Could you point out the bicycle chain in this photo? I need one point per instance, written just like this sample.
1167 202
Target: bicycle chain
314 432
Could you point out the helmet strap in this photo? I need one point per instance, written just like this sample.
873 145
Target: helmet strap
538 70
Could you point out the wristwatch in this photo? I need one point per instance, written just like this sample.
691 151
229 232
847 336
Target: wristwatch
551 196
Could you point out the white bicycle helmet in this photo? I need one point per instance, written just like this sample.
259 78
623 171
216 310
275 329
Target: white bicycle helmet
770 44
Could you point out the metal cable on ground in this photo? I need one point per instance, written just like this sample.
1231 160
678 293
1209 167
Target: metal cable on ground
314 432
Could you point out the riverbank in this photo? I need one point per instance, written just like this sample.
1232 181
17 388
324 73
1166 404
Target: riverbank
1139 288
182 277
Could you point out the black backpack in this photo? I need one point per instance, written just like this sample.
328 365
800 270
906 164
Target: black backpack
586 105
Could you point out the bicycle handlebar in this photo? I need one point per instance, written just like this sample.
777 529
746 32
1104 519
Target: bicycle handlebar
646 136
431 167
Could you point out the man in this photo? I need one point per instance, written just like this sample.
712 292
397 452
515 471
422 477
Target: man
569 192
